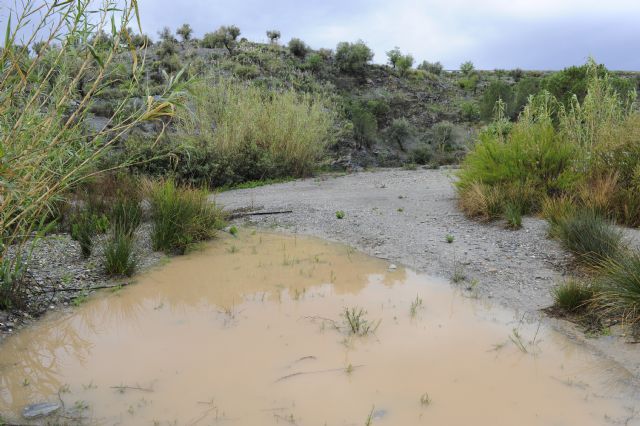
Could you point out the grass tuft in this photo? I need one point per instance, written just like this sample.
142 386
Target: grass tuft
572 296
590 238
513 216
119 257
619 284
181 216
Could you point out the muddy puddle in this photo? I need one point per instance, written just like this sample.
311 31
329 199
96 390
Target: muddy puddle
251 331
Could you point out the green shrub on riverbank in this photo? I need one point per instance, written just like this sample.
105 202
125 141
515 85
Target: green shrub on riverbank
258 134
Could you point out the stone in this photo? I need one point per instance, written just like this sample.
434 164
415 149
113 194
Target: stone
40 409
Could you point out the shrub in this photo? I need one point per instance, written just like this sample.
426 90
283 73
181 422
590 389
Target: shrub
573 296
469 111
365 125
619 285
467 68
443 135
225 36
259 133
166 35
496 90
531 153
394 56
469 83
313 62
352 58
298 48
432 67
119 257
557 210
405 63
422 155
400 131
590 238
185 31
273 35
181 216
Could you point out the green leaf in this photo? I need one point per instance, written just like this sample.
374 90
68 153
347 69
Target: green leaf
7 36
95 55
135 5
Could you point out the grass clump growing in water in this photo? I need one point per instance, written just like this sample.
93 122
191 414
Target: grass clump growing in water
357 322
181 216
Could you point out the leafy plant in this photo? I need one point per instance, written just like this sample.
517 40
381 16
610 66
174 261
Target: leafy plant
340 214
357 323
352 58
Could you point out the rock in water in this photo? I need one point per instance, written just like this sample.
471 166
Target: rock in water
40 409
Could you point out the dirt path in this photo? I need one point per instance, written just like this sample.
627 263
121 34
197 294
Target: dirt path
405 216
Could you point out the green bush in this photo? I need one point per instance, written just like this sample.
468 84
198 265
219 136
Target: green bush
467 68
298 48
185 31
532 153
273 35
181 217
399 132
443 135
365 125
470 111
495 90
592 239
119 257
260 133
432 67
422 155
225 36
352 58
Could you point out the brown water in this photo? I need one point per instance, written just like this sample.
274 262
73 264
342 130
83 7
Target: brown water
219 337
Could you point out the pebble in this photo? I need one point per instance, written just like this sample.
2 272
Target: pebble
392 267
40 409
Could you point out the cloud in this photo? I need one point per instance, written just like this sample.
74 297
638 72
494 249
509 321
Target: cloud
540 34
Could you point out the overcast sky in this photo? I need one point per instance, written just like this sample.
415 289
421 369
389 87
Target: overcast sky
530 34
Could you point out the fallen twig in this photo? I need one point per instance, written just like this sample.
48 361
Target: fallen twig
97 287
329 370
124 387
244 214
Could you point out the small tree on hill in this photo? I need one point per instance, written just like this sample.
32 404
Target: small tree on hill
467 68
185 32
352 58
394 56
298 48
166 35
273 35
225 36
404 63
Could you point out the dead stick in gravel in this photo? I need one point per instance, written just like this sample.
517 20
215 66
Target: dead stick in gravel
329 370
244 214
98 287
